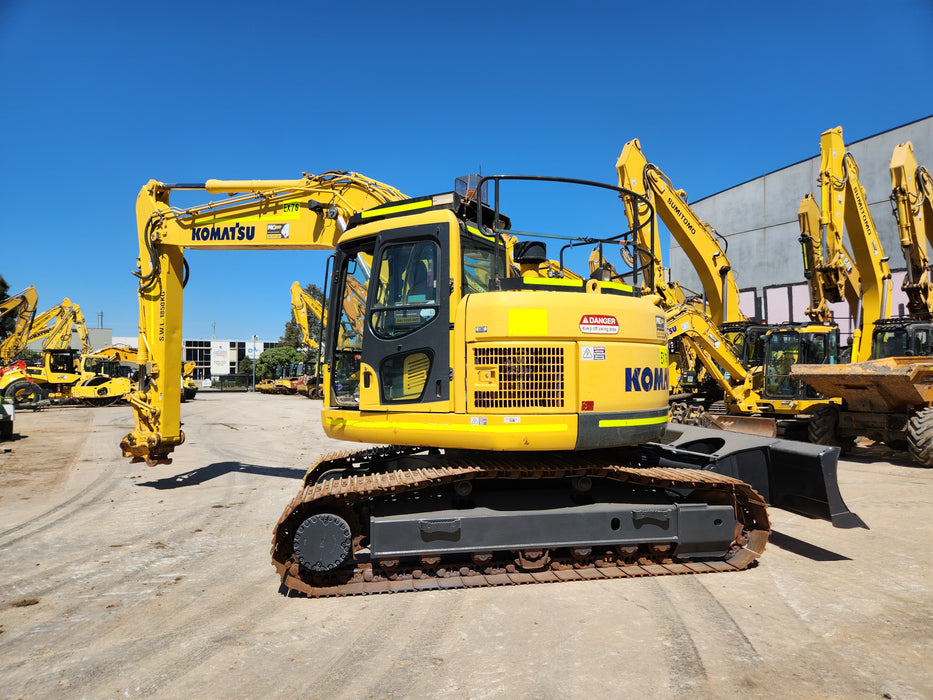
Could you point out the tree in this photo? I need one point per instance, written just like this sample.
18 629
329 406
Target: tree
272 358
8 322
245 366
292 336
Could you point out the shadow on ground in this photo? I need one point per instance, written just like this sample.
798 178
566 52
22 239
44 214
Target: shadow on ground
212 471
874 452
804 549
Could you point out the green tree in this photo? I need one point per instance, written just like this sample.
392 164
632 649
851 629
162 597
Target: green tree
8 322
292 336
272 358
245 366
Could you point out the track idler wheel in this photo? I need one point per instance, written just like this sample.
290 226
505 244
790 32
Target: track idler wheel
323 542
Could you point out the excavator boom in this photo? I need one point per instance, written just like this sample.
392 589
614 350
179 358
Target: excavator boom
912 205
842 204
698 239
23 304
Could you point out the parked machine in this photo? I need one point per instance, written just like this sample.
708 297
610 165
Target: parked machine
888 396
746 362
60 369
527 413
23 305
189 387
303 305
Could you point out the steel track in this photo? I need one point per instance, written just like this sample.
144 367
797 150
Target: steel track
389 471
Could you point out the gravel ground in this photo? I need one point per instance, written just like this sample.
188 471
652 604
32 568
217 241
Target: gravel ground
120 580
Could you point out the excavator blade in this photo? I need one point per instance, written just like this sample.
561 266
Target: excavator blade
750 425
795 476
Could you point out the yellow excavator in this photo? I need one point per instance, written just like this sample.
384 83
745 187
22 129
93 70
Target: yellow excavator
60 368
862 277
888 396
23 305
747 361
304 303
525 414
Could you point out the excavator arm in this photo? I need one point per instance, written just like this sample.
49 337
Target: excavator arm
842 203
703 339
304 214
303 304
912 205
55 327
696 237
827 265
23 304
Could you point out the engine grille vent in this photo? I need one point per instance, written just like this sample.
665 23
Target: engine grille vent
528 377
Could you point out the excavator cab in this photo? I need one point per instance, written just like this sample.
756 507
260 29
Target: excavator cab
901 337
786 347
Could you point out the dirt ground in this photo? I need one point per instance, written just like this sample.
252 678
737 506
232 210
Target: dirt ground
120 580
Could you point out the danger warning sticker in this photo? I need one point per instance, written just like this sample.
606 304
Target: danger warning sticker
599 325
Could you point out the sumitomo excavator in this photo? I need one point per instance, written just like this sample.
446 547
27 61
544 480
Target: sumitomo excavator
525 412
887 395
747 361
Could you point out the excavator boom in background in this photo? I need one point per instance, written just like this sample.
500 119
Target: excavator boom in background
23 304
843 204
912 205
887 395
526 410
747 361
827 266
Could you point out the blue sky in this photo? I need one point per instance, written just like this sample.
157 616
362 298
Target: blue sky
100 97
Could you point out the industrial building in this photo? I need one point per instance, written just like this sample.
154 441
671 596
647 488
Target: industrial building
758 222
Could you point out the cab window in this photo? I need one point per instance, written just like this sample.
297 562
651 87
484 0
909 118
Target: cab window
406 288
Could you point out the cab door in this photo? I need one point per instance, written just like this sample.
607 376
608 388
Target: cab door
406 338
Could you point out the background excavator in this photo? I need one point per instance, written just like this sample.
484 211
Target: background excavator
746 361
23 305
304 304
888 396
526 410
60 368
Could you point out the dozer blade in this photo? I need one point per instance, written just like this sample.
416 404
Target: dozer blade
749 425
795 476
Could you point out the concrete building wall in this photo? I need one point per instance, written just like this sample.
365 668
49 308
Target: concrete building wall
759 221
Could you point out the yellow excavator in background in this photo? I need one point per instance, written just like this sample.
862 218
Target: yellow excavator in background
527 414
912 205
747 361
303 303
888 397
23 304
60 369
829 269
843 203
189 386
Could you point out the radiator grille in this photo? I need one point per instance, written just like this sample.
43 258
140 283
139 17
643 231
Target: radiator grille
528 377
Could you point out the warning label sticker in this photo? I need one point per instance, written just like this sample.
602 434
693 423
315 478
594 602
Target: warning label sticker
593 324
593 353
